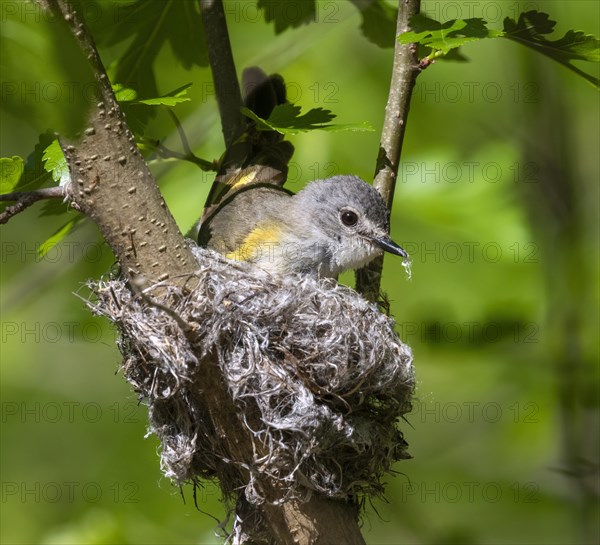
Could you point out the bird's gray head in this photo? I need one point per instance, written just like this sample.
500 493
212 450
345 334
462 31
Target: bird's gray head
345 224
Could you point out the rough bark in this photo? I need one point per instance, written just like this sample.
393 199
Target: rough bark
111 183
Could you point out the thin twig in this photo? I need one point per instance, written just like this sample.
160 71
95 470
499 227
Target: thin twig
26 198
189 155
182 136
227 89
166 153
404 73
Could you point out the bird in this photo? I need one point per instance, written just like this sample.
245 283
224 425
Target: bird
330 226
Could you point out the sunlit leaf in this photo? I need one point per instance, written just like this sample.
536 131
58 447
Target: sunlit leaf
530 30
286 119
32 175
127 95
170 99
443 37
45 167
124 94
56 164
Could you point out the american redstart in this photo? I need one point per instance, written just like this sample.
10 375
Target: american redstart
329 226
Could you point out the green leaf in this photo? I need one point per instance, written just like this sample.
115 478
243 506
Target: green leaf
286 119
44 168
287 13
124 94
130 96
59 235
170 99
34 174
139 111
150 25
11 170
441 38
287 115
364 126
530 30
56 164
379 21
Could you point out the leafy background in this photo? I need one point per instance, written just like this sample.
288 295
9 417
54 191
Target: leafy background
497 203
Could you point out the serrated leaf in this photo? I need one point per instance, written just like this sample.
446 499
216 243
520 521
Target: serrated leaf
578 45
56 164
34 175
288 115
441 38
58 235
170 99
153 24
532 27
11 170
37 171
286 119
287 13
530 30
379 21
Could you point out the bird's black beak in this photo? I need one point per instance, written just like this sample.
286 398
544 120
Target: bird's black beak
388 245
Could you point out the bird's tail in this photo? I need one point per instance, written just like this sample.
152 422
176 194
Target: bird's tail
256 156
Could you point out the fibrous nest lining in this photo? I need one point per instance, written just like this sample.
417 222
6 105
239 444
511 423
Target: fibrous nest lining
320 368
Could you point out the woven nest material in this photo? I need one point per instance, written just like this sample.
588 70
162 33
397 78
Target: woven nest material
321 367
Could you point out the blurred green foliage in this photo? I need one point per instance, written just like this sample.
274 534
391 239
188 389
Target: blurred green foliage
497 202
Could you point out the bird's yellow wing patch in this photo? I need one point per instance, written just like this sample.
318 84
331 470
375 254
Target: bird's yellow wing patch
261 241
244 177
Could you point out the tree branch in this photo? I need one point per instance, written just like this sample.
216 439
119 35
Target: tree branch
222 65
25 199
404 74
111 183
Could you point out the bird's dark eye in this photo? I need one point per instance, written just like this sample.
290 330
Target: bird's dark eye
349 218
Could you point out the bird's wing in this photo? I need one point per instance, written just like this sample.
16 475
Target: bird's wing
227 228
256 157
235 179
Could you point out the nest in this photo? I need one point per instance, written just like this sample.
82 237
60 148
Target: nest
316 374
